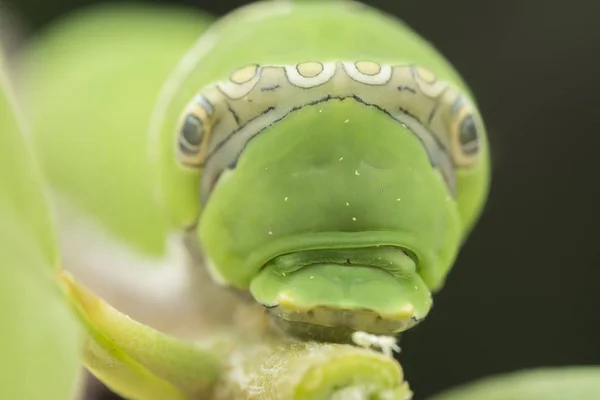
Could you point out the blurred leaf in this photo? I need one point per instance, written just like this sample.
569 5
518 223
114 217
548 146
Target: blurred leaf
107 64
39 341
566 383
139 362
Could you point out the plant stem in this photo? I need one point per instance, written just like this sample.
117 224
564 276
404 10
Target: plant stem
141 363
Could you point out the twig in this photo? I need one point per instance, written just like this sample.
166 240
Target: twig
142 364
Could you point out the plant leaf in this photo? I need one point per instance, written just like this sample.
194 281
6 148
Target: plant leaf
139 362
559 383
39 339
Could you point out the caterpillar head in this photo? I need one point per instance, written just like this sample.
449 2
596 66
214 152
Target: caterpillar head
336 193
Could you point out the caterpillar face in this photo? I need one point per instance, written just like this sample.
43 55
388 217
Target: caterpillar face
336 180
360 283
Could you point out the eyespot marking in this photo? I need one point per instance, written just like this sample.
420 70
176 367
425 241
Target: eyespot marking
195 129
368 68
465 135
368 72
295 74
244 75
310 69
241 82
191 134
468 136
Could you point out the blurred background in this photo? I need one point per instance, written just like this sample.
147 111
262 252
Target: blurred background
525 291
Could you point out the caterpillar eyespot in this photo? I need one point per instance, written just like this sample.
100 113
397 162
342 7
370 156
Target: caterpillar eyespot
465 136
195 130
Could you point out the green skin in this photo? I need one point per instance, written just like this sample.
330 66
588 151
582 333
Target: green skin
289 194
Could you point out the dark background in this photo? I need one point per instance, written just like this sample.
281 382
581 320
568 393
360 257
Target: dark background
525 291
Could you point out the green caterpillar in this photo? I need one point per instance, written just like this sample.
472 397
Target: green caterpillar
320 156
326 159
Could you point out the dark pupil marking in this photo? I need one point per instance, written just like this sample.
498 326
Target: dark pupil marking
191 134
468 136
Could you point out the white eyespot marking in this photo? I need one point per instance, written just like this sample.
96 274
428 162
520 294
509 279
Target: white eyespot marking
368 68
296 74
241 82
428 83
310 69
244 75
368 72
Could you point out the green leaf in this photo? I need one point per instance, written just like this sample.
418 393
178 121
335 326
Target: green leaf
39 339
559 383
139 362
107 65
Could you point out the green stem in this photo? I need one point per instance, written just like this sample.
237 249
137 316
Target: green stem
141 363
275 368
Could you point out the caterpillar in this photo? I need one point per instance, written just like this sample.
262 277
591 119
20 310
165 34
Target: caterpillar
325 159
